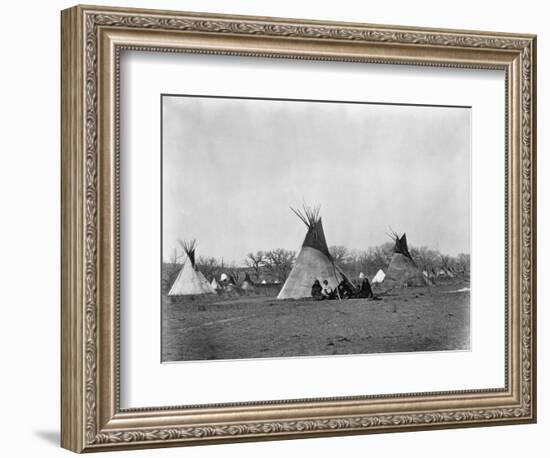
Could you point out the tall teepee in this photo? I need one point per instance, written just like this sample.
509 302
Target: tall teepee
190 281
402 271
314 261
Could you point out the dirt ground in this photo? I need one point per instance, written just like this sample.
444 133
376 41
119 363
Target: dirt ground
413 319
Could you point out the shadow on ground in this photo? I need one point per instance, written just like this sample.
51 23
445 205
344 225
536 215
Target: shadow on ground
51 437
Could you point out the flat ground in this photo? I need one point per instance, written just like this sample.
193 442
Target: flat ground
413 319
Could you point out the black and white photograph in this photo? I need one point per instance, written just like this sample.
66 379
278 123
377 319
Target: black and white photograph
295 228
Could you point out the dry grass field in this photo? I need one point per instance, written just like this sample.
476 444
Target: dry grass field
257 326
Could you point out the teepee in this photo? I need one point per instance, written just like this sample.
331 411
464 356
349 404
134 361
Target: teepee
214 284
445 268
379 277
247 284
403 271
190 281
314 261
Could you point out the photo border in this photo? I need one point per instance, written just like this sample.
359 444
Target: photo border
275 99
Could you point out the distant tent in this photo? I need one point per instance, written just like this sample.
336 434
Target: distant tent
190 281
247 284
314 261
442 273
227 279
445 271
214 284
445 274
379 277
448 270
403 271
264 282
228 283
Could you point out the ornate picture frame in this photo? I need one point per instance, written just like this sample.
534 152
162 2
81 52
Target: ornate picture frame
92 40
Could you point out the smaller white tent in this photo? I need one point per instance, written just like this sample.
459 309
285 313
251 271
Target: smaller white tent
228 283
379 277
190 281
450 274
214 284
442 273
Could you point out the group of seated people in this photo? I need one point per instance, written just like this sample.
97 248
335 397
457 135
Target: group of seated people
344 290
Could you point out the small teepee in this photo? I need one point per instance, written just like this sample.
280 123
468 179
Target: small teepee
379 277
314 261
403 271
448 272
190 281
214 284
229 284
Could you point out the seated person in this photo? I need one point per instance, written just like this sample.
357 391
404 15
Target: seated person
345 290
365 290
317 291
328 292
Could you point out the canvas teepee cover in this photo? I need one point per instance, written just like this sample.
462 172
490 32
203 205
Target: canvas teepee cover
403 271
214 284
314 261
379 277
190 281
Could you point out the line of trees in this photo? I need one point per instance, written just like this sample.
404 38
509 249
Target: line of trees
270 265
371 260
275 265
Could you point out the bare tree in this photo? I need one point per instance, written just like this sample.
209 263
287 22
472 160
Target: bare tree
255 261
176 257
210 267
426 258
171 269
463 263
233 271
279 262
340 254
367 261
169 275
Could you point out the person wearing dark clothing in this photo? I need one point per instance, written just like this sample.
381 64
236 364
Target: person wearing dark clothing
328 292
365 291
317 291
345 291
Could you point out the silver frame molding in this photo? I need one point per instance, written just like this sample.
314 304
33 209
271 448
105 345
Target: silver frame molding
92 39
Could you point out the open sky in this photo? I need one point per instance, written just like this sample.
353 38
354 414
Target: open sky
232 168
